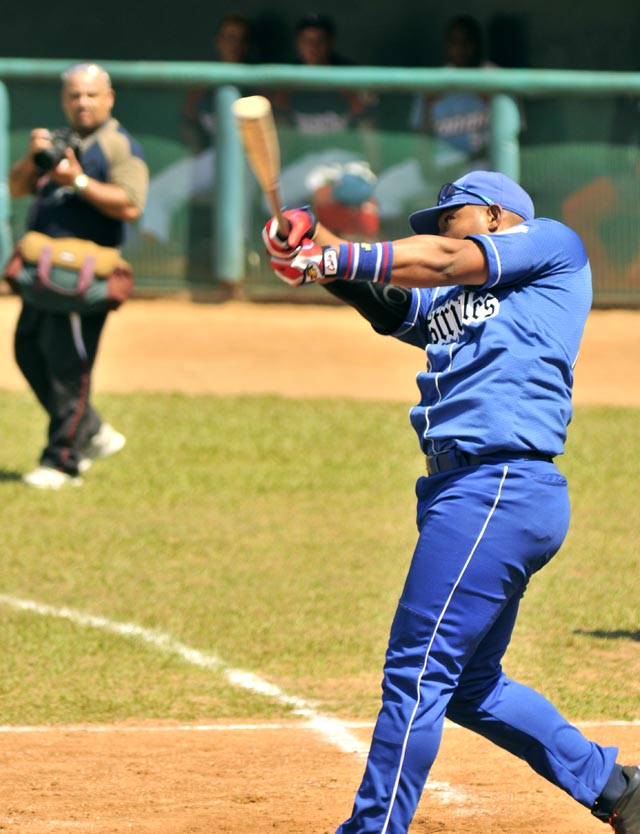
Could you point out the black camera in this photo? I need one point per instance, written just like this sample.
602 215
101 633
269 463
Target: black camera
61 139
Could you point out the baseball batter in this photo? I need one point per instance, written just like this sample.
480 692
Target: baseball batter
497 299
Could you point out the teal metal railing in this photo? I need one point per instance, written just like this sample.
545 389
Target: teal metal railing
5 234
228 258
515 81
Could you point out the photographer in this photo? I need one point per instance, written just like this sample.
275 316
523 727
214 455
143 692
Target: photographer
88 183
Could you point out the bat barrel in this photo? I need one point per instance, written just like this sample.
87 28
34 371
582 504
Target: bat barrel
257 129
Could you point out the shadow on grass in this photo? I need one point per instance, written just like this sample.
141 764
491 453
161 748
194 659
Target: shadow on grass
6 475
610 635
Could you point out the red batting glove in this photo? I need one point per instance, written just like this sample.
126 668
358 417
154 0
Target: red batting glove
303 225
311 263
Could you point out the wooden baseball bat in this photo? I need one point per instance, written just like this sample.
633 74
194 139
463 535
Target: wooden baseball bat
259 138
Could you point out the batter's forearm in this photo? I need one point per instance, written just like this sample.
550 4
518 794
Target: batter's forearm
419 261
424 261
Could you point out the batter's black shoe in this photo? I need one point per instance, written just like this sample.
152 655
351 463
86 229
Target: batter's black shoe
624 817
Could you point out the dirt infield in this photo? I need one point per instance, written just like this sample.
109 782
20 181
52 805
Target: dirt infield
301 350
257 780
162 779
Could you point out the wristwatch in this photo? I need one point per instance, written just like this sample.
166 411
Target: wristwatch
80 183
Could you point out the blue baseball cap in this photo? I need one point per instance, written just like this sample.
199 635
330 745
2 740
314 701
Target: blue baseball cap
478 188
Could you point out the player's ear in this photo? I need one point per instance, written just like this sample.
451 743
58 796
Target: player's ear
495 216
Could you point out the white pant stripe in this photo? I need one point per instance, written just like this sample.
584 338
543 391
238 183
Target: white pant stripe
76 332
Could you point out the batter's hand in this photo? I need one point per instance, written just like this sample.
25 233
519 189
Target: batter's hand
312 263
303 225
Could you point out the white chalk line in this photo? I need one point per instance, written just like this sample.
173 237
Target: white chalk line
160 727
225 728
331 729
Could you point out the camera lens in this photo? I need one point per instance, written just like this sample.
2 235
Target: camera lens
47 158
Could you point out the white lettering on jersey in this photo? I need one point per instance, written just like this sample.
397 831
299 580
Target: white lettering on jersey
446 324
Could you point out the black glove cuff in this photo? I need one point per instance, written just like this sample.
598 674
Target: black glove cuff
384 306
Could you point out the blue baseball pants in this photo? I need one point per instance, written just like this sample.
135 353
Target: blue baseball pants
483 532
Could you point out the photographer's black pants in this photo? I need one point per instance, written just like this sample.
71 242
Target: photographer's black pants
56 353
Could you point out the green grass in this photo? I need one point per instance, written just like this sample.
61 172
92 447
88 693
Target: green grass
275 534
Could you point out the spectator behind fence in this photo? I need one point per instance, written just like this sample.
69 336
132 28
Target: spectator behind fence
329 173
457 122
610 203
86 194
194 175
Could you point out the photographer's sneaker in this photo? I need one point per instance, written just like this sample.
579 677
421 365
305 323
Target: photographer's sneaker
624 817
105 442
46 477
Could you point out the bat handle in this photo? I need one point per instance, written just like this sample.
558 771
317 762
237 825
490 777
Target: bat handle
284 227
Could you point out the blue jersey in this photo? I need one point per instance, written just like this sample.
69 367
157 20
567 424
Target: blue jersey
500 356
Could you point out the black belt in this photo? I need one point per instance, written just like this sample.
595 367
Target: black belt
455 459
